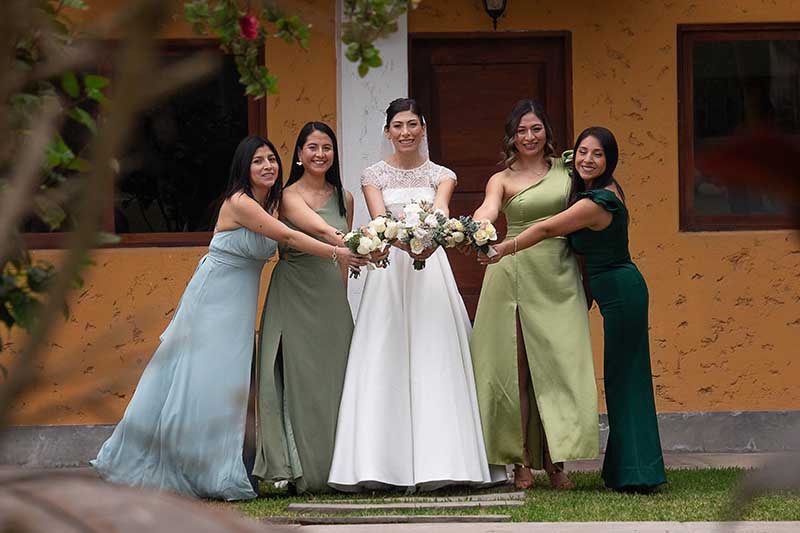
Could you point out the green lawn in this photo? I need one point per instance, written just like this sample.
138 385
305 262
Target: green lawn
692 495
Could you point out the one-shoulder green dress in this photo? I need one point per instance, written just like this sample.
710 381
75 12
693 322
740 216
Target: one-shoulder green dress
305 339
633 454
542 284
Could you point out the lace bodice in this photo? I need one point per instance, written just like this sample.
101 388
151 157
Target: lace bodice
400 186
384 176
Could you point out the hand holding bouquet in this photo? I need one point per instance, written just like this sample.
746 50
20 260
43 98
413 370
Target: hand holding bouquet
374 237
419 228
480 233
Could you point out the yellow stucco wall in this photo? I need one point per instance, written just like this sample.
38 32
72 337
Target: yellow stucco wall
95 359
724 307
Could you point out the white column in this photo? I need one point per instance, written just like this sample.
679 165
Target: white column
361 103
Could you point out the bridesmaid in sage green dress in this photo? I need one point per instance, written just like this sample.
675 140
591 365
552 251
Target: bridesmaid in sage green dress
184 428
306 337
530 345
597 225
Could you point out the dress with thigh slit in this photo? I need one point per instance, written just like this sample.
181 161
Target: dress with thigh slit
302 360
542 286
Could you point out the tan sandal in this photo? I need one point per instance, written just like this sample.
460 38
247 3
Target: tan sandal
559 480
523 477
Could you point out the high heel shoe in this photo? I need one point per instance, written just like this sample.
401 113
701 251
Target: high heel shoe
559 480
523 477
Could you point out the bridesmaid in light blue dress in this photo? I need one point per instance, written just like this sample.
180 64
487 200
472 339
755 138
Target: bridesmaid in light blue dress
184 427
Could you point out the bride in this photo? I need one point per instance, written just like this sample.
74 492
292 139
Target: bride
409 415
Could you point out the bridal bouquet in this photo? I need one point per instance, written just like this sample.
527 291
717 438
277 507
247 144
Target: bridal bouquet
422 227
419 224
479 234
375 236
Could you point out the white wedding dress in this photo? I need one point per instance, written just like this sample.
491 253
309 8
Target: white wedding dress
409 414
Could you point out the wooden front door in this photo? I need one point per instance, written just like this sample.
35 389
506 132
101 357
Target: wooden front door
467 84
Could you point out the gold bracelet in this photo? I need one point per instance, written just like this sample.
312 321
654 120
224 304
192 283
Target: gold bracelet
333 255
515 246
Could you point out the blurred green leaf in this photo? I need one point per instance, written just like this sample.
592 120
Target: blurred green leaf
58 153
76 4
82 117
93 81
69 82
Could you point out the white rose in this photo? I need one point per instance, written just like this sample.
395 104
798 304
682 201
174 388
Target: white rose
378 225
402 234
391 230
481 237
420 233
456 224
491 231
376 244
417 246
431 220
364 245
412 209
412 219
458 237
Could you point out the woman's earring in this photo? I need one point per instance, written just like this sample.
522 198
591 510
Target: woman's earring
299 163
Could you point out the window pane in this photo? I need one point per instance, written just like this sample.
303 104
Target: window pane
743 90
177 166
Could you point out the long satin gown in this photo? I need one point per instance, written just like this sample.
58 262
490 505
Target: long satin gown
302 360
184 428
542 286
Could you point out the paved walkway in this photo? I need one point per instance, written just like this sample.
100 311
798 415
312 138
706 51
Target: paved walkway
567 527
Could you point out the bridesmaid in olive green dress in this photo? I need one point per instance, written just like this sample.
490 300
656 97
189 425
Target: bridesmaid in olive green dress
304 344
597 225
530 344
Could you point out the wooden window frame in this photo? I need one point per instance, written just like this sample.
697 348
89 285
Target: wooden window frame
257 125
687 36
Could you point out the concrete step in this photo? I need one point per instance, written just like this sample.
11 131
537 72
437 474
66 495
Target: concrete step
332 507
488 496
387 519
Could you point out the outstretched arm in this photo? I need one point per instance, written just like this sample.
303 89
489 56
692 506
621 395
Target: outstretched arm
444 191
492 200
582 214
295 209
248 213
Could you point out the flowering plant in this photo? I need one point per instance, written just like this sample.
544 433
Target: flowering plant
375 236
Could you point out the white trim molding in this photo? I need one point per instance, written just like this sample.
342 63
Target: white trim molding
360 114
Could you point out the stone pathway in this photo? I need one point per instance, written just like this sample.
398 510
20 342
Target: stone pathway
413 503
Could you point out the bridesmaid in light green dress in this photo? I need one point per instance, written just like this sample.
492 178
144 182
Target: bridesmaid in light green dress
530 343
306 338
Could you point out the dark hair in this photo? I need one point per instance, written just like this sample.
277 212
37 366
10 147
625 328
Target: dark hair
239 175
403 104
333 175
521 108
611 151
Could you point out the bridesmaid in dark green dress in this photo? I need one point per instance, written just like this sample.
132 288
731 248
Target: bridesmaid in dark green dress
597 225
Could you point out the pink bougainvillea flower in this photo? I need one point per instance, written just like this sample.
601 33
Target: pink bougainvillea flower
248 27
